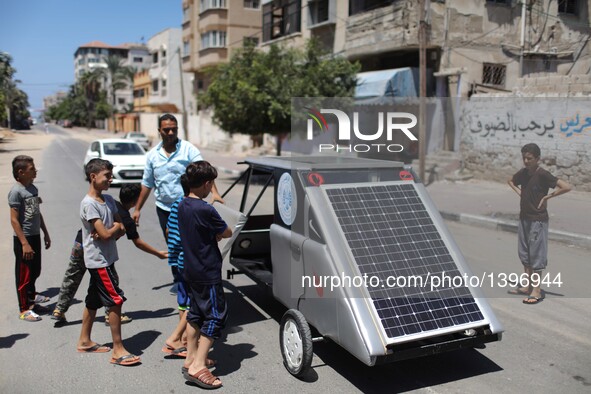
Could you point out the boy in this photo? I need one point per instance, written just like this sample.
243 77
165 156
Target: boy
128 196
26 220
531 183
96 213
200 228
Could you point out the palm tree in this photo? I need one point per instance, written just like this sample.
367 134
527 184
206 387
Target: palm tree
90 83
116 75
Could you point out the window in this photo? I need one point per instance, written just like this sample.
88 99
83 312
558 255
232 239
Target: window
186 48
357 7
508 2
254 41
493 74
155 58
139 93
186 14
252 4
318 11
567 7
205 5
81 61
213 39
155 86
138 59
281 18
120 101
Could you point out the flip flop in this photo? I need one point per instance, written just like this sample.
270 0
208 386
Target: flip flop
40 299
179 352
203 379
95 349
29 316
531 300
126 360
517 292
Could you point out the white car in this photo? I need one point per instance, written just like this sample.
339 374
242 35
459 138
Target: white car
140 138
128 158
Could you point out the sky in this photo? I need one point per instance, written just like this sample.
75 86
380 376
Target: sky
42 35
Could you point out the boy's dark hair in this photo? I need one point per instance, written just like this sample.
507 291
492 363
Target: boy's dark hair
20 162
532 148
200 172
97 165
166 117
129 193
185 185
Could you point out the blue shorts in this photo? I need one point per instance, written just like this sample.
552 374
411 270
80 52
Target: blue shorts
208 309
182 295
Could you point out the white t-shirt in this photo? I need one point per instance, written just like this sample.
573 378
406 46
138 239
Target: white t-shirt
98 253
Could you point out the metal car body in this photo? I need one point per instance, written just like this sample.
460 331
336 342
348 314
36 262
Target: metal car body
278 249
128 158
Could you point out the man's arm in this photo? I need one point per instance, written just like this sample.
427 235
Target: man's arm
144 193
146 247
561 188
18 230
46 238
515 188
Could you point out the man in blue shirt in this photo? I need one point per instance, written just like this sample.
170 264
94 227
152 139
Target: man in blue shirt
165 164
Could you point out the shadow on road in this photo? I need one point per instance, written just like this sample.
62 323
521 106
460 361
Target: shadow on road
141 341
7 342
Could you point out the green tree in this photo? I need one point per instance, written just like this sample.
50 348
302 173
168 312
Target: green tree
14 102
252 93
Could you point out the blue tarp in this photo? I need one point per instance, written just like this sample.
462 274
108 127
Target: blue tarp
396 82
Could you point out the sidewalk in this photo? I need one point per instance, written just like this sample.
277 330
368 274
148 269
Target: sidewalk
480 203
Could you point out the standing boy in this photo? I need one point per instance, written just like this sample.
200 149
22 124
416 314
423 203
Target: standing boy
200 228
128 196
100 253
531 183
26 221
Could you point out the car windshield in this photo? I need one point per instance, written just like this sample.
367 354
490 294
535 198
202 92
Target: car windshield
122 148
137 135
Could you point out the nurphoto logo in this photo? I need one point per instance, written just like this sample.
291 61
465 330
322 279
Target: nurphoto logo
391 122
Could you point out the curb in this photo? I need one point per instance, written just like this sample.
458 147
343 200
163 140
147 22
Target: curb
511 226
228 171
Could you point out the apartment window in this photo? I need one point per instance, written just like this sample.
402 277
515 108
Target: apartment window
281 18
139 93
80 61
318 11
567 7
213 39
357 7
138 60
155 86
209 4
494 74
254 41
186 14
252 4
155 58
120 101
186 48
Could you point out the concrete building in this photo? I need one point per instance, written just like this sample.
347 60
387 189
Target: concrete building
54 99
213 29
94 55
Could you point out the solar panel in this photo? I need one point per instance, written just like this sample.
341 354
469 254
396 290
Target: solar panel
391 233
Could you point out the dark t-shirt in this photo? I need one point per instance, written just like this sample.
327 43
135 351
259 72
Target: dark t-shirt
533 188
199 223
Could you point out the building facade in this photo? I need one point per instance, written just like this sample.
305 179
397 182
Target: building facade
213 29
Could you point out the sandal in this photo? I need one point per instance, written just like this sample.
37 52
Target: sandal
124 319
41 299
58 315
203 379
29 316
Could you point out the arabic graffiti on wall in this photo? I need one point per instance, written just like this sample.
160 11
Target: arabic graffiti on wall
574 126
509 124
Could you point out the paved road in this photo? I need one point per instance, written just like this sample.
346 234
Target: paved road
546 348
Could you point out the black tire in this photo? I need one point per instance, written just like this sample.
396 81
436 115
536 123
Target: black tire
295 341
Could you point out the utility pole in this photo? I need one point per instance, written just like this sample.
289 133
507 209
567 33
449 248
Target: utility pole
423 86
522 41
185 116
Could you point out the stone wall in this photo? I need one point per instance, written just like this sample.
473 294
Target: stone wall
495 128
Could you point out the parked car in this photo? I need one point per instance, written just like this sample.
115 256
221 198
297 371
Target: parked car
140 138
127 156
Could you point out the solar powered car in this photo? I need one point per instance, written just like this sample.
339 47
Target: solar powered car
355 248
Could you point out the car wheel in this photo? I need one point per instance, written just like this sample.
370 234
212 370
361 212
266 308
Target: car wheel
295 339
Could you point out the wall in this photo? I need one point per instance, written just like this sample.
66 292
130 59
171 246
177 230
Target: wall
495 128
